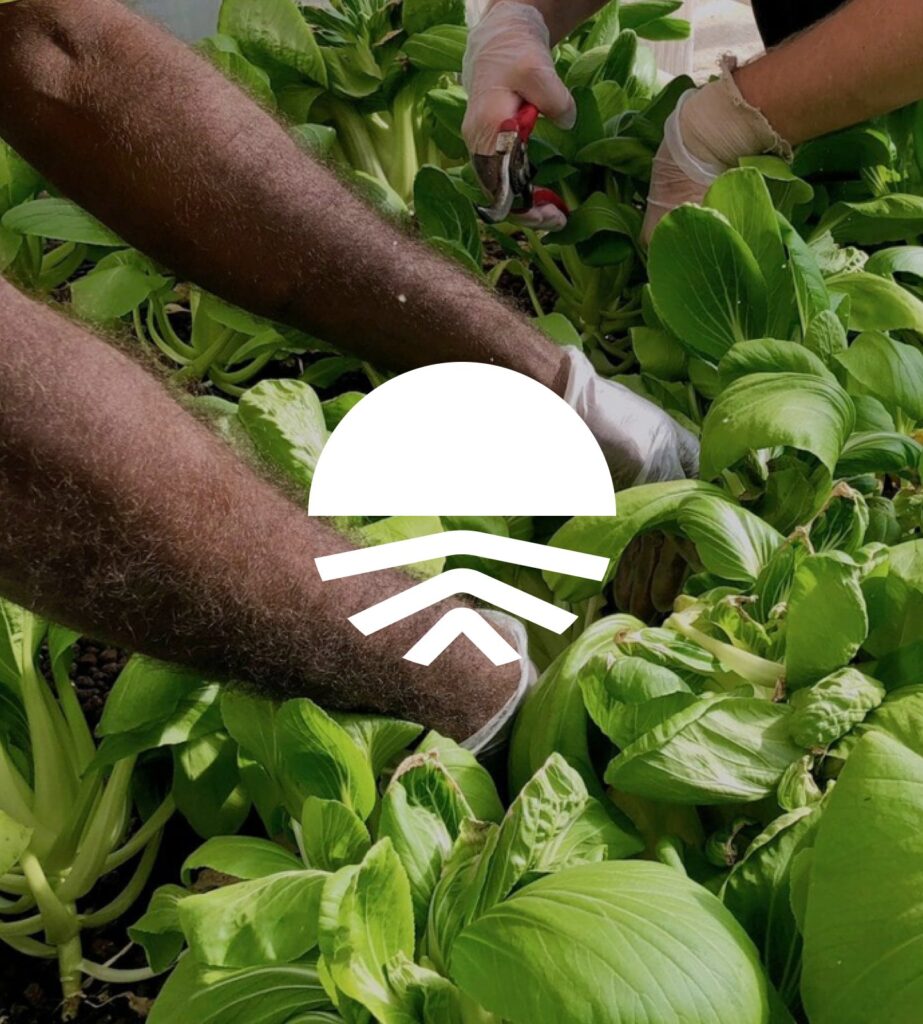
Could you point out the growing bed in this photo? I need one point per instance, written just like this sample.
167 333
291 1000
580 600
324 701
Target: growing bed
713 812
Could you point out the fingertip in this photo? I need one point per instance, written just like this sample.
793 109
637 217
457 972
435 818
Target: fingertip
542 218
553 219
568 118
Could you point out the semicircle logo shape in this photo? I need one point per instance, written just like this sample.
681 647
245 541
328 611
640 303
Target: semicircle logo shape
462 439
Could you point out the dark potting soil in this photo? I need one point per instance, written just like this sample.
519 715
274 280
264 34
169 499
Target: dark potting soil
29 988
513 288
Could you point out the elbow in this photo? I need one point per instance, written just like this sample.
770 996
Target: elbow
46 48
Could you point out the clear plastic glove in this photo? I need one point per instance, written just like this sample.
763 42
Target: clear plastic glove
542 216
677 177
709 131
508 60
488 742
641 443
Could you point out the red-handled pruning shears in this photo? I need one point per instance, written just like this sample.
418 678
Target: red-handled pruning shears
506 175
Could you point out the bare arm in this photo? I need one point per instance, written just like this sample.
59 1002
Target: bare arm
862 61
156 143
163 540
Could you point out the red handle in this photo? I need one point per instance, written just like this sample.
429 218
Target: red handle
545 197
523 122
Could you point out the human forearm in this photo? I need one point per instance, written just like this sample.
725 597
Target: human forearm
862 61
122 516
154 141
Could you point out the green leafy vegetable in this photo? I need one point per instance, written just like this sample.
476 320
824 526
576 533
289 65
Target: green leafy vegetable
603 934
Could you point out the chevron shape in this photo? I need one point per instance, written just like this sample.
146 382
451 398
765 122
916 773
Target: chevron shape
461 622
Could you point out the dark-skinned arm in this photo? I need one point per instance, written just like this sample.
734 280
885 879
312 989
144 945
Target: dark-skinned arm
146 135
124 517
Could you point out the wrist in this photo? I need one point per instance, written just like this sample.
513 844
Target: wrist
491 735
719 125
558 372
542 6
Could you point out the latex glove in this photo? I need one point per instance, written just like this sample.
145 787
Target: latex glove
709 131
641 442
490 740
508 60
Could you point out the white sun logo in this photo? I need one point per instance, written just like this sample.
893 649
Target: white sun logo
462 439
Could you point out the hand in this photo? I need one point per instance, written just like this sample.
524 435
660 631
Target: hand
492 737
508 60
641 442
677 177
709 131
651 573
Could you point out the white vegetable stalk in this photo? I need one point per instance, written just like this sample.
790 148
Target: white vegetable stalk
68 828
751 667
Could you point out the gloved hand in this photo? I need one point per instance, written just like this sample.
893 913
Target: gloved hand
490 739
508 60
641 443
709 131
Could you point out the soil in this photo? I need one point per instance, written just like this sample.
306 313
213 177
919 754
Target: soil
29 990
513 288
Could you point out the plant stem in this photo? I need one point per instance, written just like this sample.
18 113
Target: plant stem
84 747
18 906
228 380
142 837
116 976
375 378
60 264
101 832
576 269
550 269
54 760
593 606
667 852
533 298
32 947
32 253
17 799
15 884
749 666
21 929
70 971
138 324
126 898
167 331
403 145
60 919
161 343
354 137
589 309
199 367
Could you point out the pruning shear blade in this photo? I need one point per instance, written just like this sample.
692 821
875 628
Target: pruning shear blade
506 175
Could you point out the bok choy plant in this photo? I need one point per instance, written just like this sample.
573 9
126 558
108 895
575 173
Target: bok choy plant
66 819
423 901
352 75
